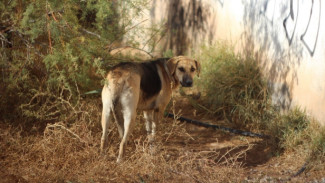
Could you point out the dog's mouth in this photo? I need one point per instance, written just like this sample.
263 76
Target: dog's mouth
188 83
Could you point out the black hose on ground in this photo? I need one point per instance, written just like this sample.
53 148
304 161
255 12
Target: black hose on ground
235 131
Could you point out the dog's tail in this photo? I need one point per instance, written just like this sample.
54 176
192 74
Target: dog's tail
109 99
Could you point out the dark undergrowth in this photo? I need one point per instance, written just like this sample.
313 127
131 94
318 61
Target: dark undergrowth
234 89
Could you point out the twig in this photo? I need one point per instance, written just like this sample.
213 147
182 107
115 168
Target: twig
153 35
233 158
135 49
48 29
135 25
4 39
52 14
27 43
56 125
91 33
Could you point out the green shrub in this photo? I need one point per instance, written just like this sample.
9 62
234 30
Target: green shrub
296 131
52 52
289 130
233 87
317 153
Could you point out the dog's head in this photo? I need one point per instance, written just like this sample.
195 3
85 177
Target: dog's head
183 69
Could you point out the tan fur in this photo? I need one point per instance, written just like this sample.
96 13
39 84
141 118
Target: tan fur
123 96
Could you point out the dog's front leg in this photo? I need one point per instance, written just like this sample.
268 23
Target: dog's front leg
156 117
151 118
148 116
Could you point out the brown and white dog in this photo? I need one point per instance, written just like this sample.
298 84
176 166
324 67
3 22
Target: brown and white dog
145 86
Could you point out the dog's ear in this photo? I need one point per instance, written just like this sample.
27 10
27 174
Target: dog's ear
172 64
198 68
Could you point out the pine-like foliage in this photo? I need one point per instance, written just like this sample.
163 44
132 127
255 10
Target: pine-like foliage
54 50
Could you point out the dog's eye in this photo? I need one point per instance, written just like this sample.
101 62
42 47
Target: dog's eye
192 69
181 69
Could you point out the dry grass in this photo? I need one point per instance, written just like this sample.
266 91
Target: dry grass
65 152
69 152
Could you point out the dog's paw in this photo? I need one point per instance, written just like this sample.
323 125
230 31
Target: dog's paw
119 160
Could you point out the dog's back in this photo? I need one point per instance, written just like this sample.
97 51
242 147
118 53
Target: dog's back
150 82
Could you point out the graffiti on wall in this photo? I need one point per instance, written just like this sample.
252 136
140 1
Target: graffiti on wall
311 30
291 19
314 15
221 2
268 10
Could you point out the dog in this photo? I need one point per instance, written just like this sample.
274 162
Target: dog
145 86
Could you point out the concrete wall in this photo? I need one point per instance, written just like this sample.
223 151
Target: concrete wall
287 36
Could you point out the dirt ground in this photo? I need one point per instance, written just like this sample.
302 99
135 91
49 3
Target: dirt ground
181 153
256 157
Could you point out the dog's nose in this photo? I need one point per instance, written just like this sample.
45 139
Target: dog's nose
189 83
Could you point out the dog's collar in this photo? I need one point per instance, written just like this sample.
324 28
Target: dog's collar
169 74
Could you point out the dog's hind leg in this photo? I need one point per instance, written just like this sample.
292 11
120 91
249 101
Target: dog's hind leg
129 101
118 116
107 106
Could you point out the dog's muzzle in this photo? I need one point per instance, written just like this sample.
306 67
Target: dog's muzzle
187 82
